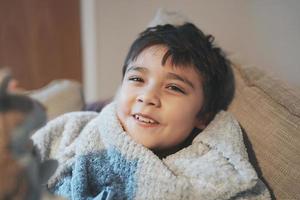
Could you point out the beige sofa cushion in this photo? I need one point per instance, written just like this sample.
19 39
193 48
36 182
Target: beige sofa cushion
59 97
269 112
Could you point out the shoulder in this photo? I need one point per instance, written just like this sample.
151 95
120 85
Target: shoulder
61 131
217 155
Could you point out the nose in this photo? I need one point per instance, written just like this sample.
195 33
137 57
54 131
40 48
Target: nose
149 96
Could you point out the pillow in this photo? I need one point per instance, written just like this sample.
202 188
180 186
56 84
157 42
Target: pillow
268 111
59 97
163 16
97 106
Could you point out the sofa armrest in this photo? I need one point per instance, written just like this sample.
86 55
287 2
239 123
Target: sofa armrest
268 111
59 97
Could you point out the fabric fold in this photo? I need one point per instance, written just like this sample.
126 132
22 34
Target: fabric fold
95 153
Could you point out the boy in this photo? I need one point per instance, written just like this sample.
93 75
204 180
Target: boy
146 143
166 69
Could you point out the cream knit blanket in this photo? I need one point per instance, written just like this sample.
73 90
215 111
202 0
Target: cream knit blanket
98 160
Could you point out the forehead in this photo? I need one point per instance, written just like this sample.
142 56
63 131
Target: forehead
152 52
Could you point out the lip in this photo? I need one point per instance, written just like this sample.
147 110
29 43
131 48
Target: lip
147 117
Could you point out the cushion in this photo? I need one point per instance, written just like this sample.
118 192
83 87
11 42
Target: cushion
163 16
59 97
269 112
97 106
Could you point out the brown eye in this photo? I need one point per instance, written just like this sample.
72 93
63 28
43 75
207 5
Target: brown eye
135 79
176 89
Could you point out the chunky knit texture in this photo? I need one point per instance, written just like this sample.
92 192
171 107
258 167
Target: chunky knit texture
98 160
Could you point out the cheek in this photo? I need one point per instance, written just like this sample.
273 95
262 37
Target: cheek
183 116
182 119
184 109
124 100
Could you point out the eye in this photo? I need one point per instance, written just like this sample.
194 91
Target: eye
176 89
136 79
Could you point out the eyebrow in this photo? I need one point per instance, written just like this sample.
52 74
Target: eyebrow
137 68
180 78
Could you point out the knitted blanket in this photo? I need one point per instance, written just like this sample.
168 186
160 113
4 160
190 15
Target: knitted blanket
98 160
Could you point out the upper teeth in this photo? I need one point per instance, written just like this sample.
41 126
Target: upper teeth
144 119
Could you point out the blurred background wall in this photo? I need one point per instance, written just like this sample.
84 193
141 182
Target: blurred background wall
87 40
40 40
261 33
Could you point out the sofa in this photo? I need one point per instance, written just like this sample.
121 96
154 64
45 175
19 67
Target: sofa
269 114
268 111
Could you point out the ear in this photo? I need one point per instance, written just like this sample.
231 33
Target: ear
200 123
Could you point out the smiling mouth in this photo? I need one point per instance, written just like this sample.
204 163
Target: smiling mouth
144 119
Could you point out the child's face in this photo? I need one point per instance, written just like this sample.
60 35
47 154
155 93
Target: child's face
158 105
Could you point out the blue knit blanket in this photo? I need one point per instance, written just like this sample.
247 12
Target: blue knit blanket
98 160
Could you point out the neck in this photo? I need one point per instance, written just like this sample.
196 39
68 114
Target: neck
187 142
